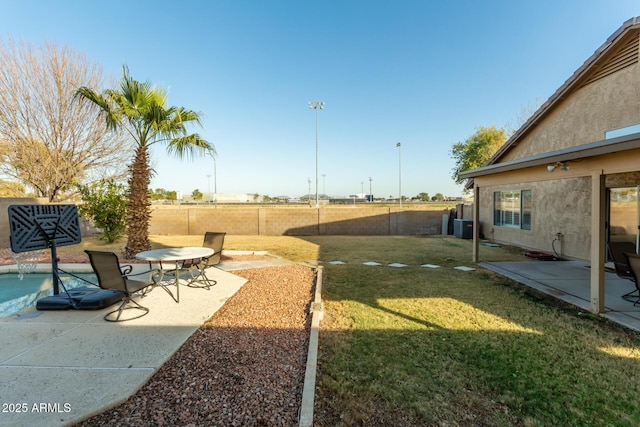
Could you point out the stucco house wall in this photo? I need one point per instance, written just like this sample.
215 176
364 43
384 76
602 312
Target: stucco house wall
603 95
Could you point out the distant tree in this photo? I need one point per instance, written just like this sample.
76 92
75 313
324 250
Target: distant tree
47 141
105 204
438 197
196 195
476 150
172 196
424 197
158 194
141 109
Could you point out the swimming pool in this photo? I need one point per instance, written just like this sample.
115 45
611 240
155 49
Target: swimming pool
17 295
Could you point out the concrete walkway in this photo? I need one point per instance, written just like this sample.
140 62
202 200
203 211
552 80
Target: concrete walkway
570 281
58 367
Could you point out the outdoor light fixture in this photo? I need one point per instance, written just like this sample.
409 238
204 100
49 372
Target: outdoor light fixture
562 165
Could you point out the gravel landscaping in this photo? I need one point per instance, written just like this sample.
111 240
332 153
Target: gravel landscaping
244 367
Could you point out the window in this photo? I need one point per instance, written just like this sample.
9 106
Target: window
512 209
628 130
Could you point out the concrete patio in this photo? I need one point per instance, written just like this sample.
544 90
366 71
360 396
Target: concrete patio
58 367
569 281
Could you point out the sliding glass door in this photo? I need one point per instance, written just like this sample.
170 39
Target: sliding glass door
623 215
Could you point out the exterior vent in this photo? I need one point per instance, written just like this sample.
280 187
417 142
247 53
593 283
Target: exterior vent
624 56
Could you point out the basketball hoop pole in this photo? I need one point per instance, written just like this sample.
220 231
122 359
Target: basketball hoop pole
51 242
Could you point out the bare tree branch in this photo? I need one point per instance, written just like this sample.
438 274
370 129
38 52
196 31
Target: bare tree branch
48 140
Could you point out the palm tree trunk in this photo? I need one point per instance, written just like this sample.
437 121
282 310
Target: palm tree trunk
138 207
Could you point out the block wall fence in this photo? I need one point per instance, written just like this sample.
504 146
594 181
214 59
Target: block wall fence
274 221
297 221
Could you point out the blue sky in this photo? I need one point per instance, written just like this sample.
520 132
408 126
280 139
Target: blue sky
425 73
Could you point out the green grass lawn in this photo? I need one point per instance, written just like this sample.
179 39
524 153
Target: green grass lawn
420 346
440 347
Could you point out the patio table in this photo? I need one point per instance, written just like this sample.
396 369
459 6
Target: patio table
176 255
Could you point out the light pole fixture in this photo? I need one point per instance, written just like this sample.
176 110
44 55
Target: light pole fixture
399 174
370 193
316 105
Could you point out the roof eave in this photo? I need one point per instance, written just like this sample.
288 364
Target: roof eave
598 148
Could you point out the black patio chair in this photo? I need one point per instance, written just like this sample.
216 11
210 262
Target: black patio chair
633 260
197 267
617 252
112 276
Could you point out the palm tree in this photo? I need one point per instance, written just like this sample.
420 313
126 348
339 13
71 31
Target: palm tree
140 110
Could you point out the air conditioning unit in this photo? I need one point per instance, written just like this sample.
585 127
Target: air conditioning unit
463 228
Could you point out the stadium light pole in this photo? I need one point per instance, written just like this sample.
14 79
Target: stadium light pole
316 105
213 153
399 174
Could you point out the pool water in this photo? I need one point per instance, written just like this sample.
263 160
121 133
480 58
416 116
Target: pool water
17 295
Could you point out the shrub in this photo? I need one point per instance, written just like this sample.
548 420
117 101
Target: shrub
105 204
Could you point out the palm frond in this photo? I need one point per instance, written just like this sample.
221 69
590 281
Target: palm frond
157 116
102 102
188 146
189 116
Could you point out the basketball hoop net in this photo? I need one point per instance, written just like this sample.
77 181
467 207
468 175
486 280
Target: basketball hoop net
25 261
